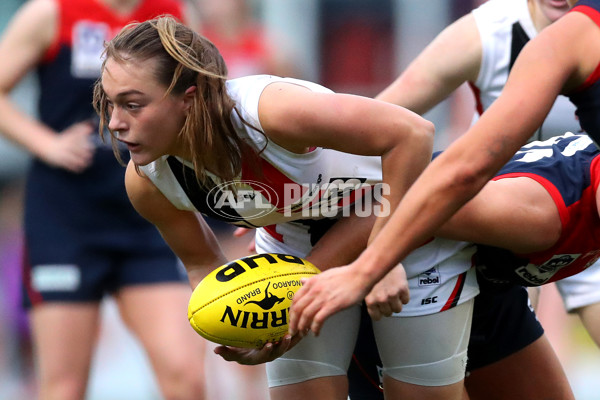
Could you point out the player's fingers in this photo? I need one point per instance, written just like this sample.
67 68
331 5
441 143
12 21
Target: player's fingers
319 319
238 232
306 316
385 309
297 307
396 306
374 312
405 296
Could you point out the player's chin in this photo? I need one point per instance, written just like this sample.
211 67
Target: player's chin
141 158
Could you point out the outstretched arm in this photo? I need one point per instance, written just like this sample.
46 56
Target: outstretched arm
451 59
546 65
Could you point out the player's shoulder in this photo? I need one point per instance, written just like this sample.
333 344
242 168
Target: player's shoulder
40 11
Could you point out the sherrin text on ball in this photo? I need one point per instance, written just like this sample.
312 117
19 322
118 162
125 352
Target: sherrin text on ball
246 302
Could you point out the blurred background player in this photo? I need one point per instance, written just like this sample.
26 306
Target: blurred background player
246 46
82 238
556 61
481 48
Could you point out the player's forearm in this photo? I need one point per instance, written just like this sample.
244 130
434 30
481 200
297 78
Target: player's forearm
22 129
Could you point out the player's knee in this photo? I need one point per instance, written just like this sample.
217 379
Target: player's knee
62 389
183 380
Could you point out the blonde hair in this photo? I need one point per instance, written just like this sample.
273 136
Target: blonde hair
184 59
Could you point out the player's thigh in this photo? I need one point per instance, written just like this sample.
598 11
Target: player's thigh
64 331
532 373
157 314
590 317
425 356
316 366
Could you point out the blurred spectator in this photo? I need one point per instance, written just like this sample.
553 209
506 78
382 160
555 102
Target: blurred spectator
83 239
241 38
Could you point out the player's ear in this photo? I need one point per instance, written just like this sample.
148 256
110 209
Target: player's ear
188 97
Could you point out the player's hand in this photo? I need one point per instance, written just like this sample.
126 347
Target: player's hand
268 352
388 295
239 232
72 150
325 294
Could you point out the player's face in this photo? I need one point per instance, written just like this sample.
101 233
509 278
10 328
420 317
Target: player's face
571 2
141 116
553 9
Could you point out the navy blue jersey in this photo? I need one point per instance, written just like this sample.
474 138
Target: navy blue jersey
568 168
84 223
587 97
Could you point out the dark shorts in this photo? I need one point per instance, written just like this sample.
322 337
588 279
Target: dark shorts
364 372
93 273
83 238
503 323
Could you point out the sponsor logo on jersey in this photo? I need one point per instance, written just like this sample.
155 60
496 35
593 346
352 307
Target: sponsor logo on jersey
429 300
430 277
540 274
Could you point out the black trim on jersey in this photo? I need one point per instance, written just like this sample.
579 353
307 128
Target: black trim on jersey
461 286
519 40
316 227
200 194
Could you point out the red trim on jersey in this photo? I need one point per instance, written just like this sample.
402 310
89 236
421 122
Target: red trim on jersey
589 11
477 94
453 299
272 178
271 230
595 172
550 188
35 297
594 16
72 11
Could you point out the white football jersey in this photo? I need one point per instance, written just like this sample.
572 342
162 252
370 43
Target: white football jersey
505 26
295 198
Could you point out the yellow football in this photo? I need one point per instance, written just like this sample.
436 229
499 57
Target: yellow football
245 303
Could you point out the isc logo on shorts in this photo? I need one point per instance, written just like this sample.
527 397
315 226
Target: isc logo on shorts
430 277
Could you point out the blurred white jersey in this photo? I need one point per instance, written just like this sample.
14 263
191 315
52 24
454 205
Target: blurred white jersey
505 26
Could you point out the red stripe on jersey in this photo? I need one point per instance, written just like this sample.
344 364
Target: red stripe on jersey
274 180
594 16
271 230
455 295
477 94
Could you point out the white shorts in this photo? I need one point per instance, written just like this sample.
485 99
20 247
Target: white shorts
429 350
581 289
435 324
413 349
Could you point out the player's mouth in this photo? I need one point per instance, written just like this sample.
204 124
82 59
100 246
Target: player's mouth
559 3
130 146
